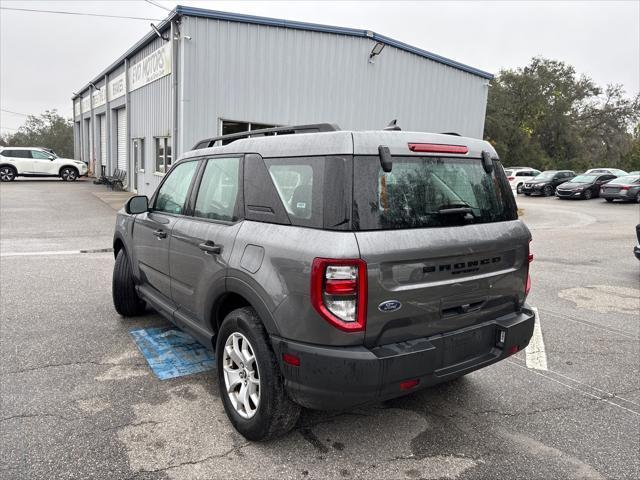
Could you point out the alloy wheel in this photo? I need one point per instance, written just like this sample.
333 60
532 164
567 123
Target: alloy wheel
241 375
587 195
7 174
69 174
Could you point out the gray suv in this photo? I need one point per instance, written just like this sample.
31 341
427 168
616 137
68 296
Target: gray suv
330 268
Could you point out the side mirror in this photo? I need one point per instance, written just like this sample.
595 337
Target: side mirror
136 205
487 162
51 157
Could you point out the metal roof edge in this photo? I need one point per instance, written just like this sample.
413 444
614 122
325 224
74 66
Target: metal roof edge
315 27
276 22
139 44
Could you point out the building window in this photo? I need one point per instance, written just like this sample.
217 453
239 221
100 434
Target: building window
229 127
138 154
163 154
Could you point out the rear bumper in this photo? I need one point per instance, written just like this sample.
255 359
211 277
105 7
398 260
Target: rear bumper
343 377
616 195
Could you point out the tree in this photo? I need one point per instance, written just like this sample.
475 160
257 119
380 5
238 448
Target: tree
546 116
48 130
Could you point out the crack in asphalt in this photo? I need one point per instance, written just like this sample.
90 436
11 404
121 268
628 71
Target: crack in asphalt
192 462
36 415
68 364
146 422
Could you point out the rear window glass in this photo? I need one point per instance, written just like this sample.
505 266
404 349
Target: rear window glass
424 192
625 180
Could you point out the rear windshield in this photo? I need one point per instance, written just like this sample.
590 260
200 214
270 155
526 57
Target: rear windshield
625 180
424 192
584 179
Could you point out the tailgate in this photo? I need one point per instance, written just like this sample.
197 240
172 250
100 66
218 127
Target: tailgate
423 282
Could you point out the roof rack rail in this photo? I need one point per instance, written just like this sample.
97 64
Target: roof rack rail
286 130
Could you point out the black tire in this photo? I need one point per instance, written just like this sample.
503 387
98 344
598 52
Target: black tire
638 197
125 298
588 194
276 413
609 200
528 194
547 191
519 188
69 174
8 173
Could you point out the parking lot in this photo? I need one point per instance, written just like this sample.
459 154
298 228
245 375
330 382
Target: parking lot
79 400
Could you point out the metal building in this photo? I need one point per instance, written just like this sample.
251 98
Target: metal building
205 73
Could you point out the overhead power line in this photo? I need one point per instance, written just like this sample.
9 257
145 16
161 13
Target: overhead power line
15 113
60 12
155 4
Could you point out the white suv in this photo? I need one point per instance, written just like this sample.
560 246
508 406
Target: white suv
37 162
518 175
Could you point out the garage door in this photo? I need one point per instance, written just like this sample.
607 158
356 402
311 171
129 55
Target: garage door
103 140
122 138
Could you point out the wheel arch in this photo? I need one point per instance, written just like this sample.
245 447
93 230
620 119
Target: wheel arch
68 166
118 245
239 294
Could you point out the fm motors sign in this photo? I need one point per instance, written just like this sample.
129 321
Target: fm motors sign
150 68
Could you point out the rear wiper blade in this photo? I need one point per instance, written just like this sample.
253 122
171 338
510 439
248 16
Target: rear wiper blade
457 211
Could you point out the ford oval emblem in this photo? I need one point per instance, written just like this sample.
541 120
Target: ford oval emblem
390 306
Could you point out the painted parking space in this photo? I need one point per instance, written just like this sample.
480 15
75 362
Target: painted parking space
172 353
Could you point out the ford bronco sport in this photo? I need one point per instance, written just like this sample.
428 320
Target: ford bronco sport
330 268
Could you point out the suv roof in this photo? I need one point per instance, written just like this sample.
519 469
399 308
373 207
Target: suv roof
342 142
25 148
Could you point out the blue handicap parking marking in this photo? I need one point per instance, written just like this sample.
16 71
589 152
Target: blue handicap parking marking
172 353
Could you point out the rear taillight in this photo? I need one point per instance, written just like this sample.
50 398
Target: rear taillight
511 178
527 286
624 187
339 292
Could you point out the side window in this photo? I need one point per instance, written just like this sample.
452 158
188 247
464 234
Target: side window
173 192
7 153
19 153
39 155
218 191
294 184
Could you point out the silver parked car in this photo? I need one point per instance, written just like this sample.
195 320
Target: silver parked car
333 268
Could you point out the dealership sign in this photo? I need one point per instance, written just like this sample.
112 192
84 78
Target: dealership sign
99 97
150 68
116 87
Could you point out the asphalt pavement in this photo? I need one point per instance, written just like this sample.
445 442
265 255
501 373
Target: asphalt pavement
79 401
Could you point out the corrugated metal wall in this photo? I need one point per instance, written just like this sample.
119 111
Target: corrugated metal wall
265 74
150 116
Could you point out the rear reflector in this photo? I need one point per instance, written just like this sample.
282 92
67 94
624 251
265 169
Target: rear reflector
438 148
409 384
291 359
341 287
513 349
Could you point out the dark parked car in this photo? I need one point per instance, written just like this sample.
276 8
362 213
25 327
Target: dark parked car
546 183
583 186
636 249
330 269
625 188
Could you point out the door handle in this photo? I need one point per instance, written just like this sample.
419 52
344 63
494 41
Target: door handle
210 247
160 233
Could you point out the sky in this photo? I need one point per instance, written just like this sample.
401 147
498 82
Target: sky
45 57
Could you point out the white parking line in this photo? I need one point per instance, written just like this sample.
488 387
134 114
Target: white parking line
55 252
535 352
